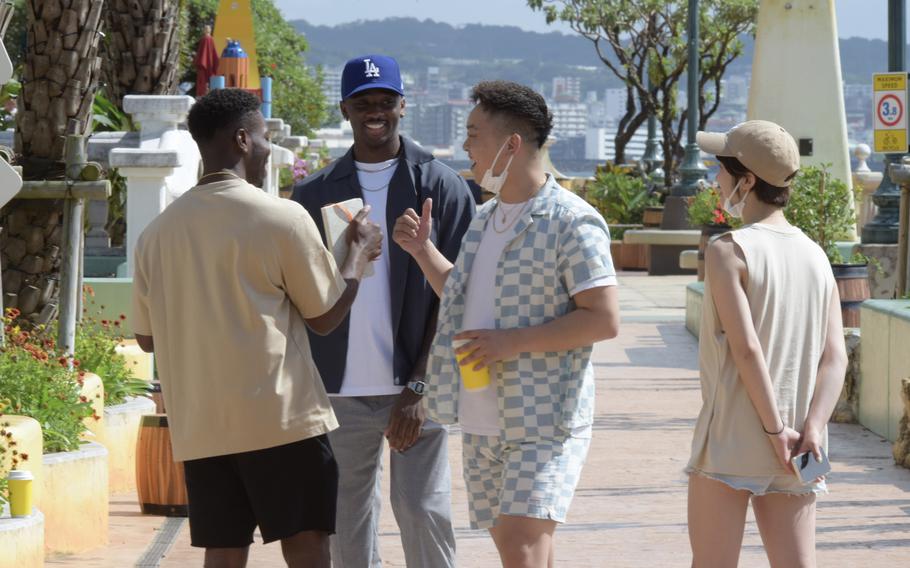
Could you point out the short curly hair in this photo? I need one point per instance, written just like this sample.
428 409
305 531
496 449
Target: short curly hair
522 107
220 108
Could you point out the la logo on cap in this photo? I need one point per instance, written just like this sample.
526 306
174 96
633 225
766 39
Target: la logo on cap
371 69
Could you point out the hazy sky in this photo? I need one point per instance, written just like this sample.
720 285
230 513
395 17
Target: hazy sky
862 18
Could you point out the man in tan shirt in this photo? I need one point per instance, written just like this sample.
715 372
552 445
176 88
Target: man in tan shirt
227 279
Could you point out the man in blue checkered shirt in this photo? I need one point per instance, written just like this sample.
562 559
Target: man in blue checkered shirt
533 288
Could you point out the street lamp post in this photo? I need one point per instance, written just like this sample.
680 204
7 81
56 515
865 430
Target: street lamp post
650 158
692 170
883 228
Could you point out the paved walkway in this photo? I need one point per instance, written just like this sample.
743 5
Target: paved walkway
630 508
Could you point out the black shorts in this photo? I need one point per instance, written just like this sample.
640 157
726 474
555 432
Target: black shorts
284 490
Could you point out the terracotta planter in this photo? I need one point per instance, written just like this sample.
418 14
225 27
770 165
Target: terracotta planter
707 231
853 286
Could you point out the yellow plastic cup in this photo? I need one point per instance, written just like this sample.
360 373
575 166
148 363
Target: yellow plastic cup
20 492
472 380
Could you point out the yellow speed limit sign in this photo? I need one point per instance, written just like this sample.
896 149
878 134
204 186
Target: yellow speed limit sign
890 112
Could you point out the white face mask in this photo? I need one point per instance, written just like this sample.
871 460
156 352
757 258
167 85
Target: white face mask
492 183
735 210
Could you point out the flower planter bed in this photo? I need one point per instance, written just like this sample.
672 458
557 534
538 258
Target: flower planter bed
27 433
139 362
118 433
75 499
885 361
22 540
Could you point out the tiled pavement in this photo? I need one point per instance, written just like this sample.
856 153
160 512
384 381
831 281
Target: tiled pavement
630 509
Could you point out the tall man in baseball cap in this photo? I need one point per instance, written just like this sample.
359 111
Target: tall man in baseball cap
374 364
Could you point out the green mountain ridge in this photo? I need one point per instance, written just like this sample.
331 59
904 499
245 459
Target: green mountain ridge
512 53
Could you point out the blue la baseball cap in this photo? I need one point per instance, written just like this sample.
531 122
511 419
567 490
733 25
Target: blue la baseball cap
370 72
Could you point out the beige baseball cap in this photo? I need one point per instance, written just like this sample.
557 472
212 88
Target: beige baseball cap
764 147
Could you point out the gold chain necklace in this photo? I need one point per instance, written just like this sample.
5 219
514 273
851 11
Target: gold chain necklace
228 173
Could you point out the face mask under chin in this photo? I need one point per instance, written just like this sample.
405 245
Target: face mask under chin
735 210
493 183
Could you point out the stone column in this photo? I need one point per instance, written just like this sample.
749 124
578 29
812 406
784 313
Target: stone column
159 117
156 114
146 173
866 181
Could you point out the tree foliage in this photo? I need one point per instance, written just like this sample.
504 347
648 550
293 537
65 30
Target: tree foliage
641 39
296 93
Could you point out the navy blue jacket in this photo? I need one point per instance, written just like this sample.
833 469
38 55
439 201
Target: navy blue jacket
418 176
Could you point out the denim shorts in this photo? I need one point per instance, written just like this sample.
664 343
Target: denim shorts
764 484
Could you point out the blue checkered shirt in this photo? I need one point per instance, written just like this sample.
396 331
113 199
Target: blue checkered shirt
559 243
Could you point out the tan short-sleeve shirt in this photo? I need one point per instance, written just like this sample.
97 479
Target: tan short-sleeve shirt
223 280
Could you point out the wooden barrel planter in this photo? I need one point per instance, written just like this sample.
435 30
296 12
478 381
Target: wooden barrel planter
653 216
159 480
627 256
853 286
707 231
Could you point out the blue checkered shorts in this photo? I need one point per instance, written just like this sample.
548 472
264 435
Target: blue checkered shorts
535 480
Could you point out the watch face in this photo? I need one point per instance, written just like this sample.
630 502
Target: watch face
417 386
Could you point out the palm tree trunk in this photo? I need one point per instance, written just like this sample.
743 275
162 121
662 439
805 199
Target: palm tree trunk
60 77
61 74
142 49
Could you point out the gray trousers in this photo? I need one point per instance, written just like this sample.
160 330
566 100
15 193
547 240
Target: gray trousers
421 488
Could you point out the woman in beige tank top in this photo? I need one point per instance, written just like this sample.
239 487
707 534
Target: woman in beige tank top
772 360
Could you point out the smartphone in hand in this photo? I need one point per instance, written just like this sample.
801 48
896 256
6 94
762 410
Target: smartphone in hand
808 469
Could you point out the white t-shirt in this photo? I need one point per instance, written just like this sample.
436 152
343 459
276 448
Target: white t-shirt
369 370
478 411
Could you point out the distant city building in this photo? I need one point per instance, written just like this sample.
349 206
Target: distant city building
615 103
600 144
598 115
438 125
566 149
434 125
337 139
569 119
858 100
460 111
331 85
735 90
566 89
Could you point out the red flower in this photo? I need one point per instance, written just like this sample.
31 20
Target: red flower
719 217
82 398
62 361
123 316
76 362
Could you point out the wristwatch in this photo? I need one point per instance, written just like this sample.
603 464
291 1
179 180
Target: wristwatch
418 387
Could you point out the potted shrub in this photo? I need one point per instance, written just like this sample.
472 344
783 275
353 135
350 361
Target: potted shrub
823 207
622 196
705 211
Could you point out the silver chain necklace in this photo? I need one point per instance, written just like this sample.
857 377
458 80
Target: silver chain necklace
392 163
